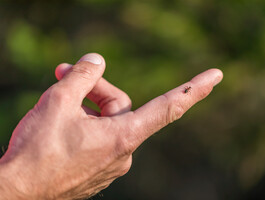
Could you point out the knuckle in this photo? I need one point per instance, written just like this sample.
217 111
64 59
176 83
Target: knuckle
56 96
121 104
124 101
123 147
126 167
174 110
127 99
84 69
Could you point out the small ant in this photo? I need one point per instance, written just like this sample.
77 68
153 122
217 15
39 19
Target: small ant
187 89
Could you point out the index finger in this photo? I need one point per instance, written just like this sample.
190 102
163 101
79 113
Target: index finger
167 108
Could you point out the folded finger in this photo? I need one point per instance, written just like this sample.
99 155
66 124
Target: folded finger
77 81
110 99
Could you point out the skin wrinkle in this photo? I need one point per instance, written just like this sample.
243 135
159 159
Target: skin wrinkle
84 72
96 181
122 147
177 111
76 184
171 111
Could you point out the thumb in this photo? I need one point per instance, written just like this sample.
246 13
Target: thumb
78 80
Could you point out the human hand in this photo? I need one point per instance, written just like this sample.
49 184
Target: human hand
63 150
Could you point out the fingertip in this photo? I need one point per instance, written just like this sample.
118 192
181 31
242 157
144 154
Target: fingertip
218 76
61 70
210 77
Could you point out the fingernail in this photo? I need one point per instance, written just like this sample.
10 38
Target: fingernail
92 58
217 80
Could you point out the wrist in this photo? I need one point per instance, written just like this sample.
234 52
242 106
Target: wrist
9 189
6 190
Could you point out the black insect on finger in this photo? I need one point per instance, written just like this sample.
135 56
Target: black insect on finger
187 89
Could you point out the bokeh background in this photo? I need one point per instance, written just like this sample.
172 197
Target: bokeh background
217 150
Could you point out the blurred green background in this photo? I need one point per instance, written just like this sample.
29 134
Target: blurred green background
217 150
